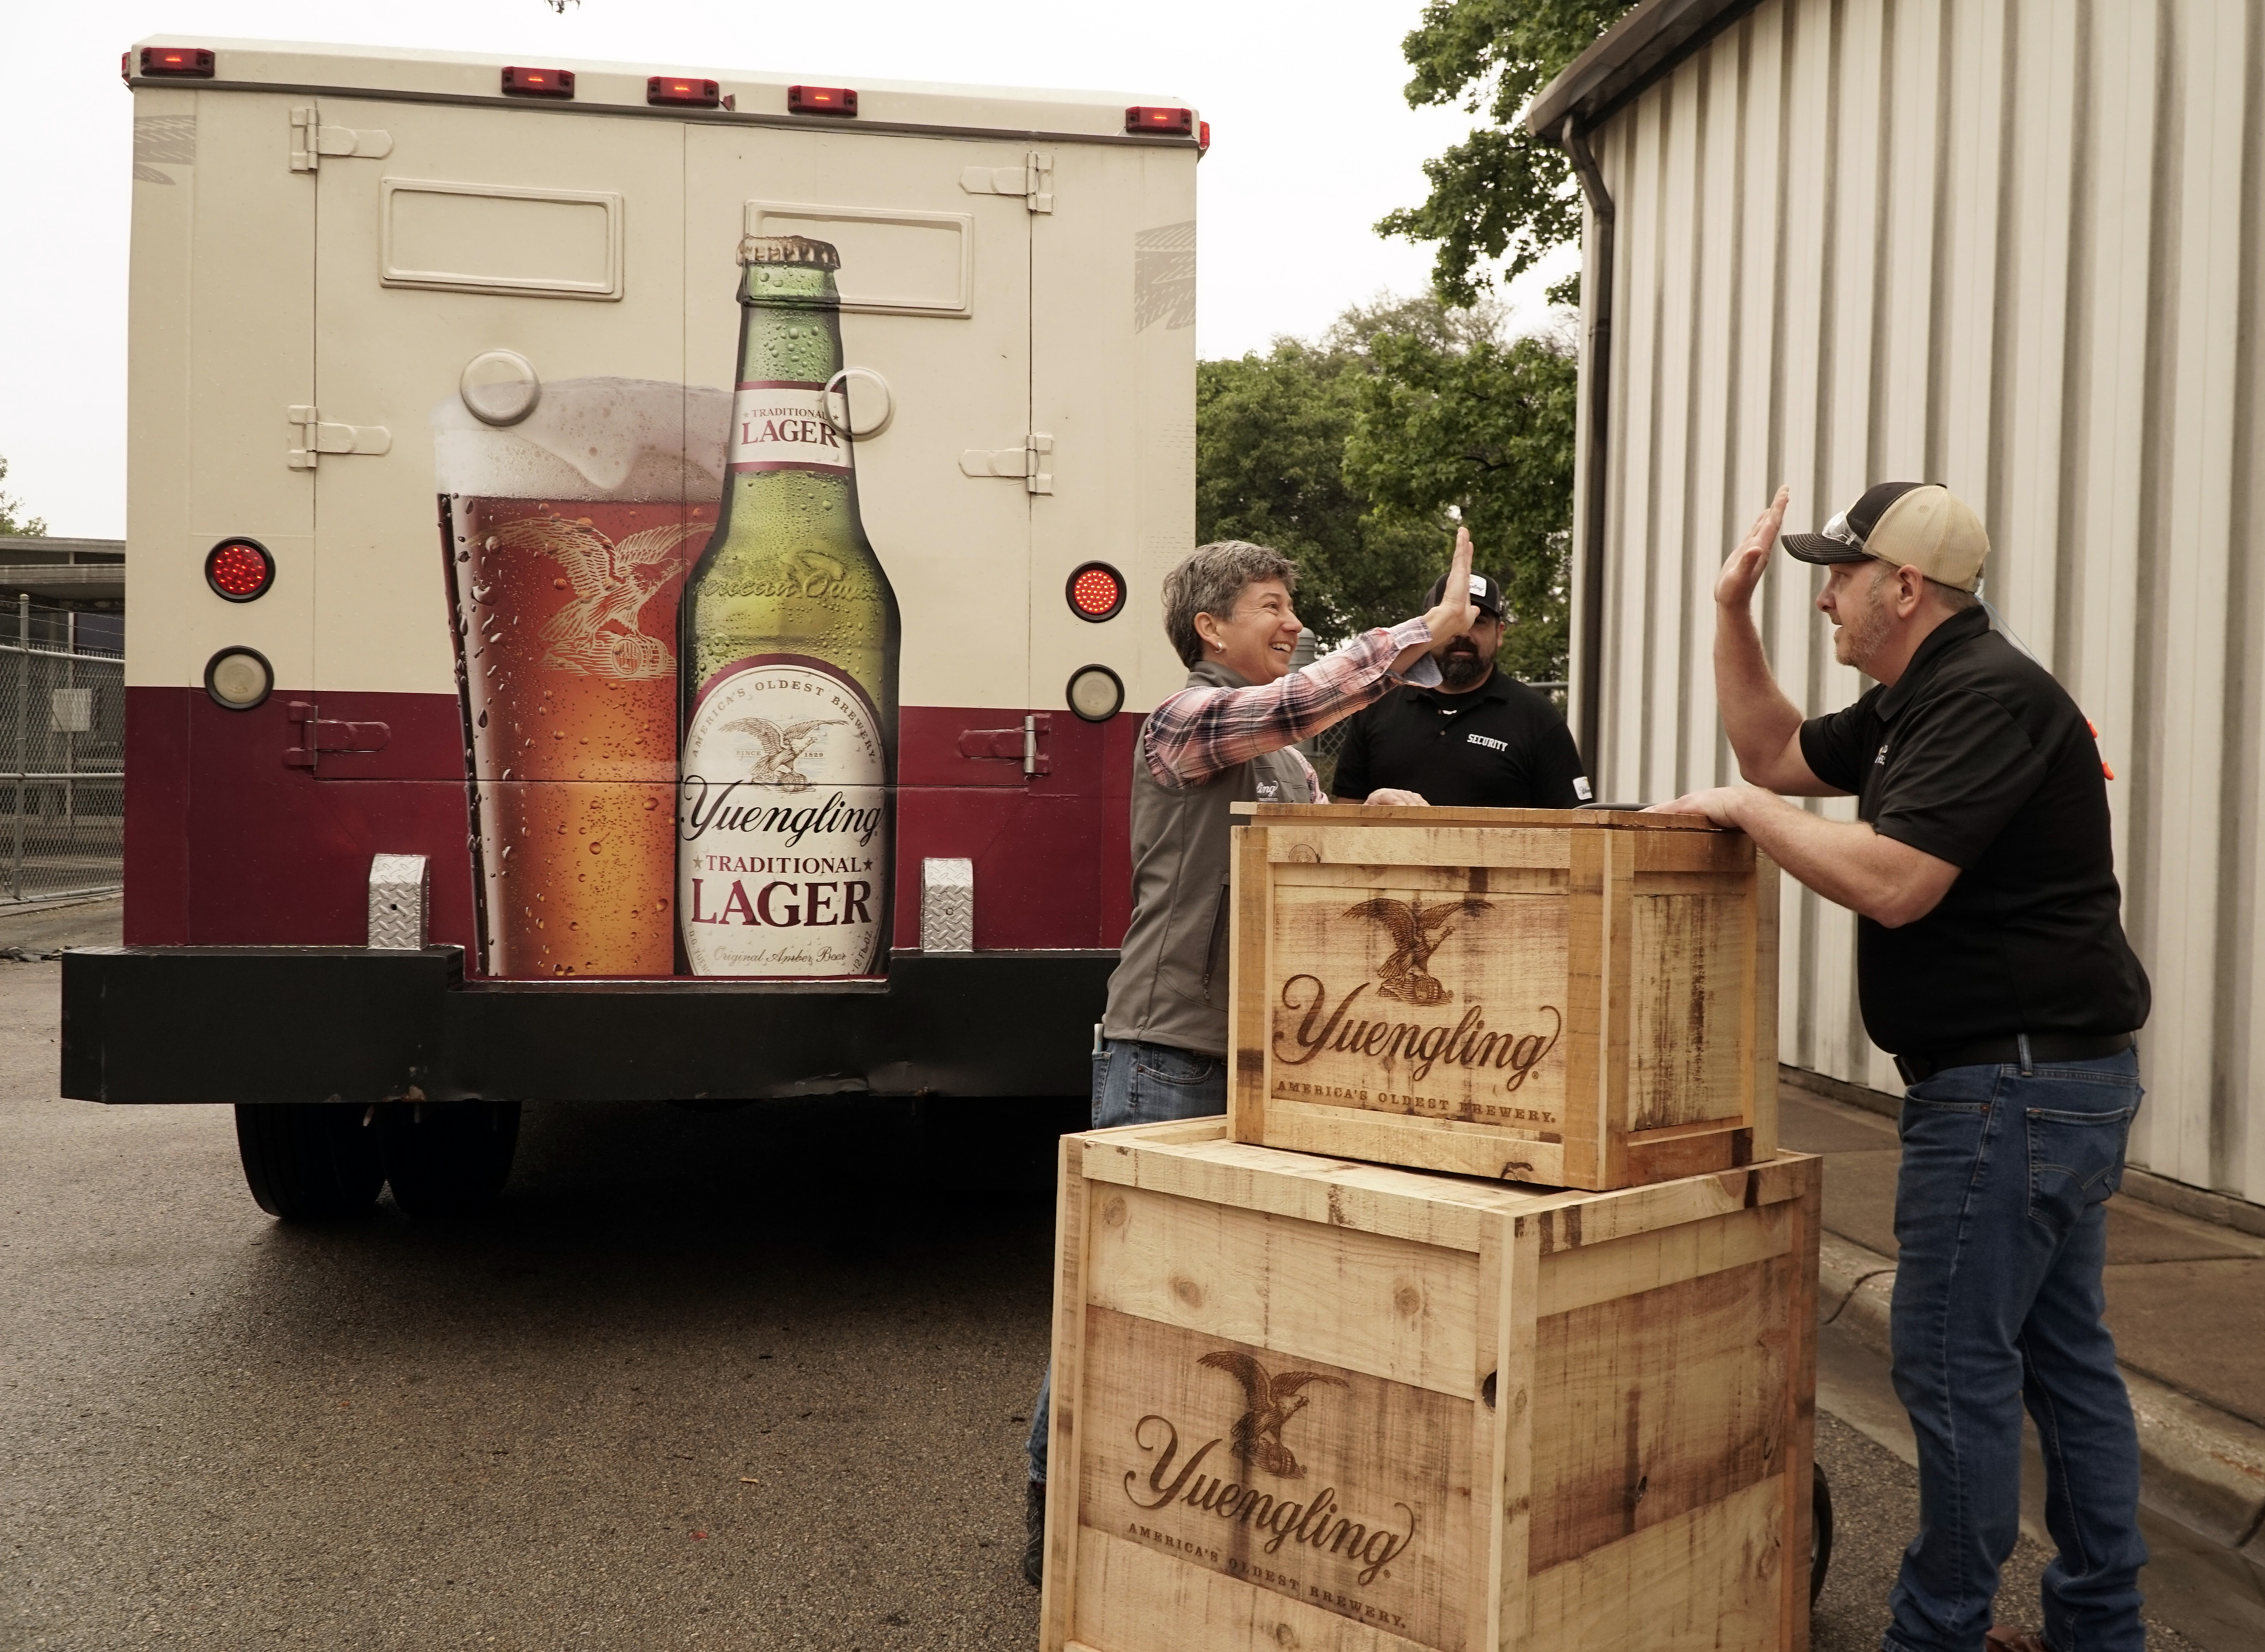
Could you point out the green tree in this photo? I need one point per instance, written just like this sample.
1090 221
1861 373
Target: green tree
1502 192
1271 435
30 527
1483 432
1356 453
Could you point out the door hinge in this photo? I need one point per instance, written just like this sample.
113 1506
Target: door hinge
311 140
316 736
1008 745
1033 180
1026 462
312 438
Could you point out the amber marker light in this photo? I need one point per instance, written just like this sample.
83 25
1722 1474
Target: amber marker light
1095 591
1159 121
538 83
821 101
239 570
683 91
178 62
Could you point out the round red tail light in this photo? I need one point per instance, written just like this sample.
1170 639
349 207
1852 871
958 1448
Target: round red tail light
239 570
1095 591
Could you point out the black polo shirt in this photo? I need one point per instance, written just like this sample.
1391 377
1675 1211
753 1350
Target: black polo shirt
1501 745
1977 756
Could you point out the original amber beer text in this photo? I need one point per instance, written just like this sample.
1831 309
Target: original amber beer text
788 640
568 534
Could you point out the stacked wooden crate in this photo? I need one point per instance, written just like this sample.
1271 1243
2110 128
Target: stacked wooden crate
1585 1000
1308 1404
1549 1389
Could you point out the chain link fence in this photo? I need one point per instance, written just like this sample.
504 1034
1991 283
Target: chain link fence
62 749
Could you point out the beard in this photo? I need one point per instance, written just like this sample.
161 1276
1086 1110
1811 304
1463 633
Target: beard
1463 668
1862 633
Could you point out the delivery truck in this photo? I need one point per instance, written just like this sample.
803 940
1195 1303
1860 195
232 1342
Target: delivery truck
645 587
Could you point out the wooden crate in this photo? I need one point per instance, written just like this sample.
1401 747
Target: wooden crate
1308 1404
1580 999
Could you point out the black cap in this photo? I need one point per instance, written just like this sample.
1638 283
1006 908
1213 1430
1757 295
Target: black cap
1486 595
1843 538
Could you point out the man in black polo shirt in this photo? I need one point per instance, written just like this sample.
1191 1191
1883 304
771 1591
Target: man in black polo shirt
1991 962
1475 737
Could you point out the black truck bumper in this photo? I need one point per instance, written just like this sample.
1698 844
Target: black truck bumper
157 1024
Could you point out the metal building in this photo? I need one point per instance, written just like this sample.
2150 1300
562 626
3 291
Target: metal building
2009 245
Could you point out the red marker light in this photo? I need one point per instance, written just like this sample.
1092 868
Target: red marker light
538 83
239 570
821 101
1095 591
677 89
178 62
1160 122
1203 139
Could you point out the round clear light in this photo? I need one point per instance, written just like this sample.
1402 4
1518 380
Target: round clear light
500 387
1096 693
238 678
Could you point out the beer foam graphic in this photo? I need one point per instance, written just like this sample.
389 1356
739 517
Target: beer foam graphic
590 439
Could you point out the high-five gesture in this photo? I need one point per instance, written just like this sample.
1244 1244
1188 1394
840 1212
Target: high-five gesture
1734 587
1456 612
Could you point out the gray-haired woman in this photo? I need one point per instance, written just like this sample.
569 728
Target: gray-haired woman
1229 737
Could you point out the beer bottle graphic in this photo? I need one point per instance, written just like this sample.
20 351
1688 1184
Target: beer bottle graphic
788 635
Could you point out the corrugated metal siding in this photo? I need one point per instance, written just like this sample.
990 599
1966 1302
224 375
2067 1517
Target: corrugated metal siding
2011 245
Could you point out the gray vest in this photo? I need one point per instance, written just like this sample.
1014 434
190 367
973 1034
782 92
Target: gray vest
1170 983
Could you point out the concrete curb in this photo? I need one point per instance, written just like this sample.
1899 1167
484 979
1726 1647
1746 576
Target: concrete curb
2201 1467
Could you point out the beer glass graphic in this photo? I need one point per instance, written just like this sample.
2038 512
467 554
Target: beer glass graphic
567 535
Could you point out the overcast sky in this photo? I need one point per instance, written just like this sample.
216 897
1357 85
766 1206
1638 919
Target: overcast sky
1312 142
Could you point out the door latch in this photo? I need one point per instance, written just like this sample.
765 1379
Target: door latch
1026 462
1007 745
316 736
1033 180
311 140
312 437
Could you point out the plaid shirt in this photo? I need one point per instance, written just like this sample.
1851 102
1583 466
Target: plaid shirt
1201 732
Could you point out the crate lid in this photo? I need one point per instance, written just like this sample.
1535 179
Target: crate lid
1556 819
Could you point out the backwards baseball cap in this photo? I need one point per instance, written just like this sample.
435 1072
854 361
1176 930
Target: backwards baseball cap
1920 524
1486 595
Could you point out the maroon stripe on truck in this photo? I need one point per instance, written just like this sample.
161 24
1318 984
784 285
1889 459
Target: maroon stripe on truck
229 844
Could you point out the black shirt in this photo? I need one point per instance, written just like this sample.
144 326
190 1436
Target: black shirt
1978 757
1501 745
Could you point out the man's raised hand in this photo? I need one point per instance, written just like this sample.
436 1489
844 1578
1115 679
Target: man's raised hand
1456 612
1735 588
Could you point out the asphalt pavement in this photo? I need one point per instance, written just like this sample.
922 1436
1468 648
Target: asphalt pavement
756 1379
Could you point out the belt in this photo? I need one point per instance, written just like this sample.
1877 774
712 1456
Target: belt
2042 1047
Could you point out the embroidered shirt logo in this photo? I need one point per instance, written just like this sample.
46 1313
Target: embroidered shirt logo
1268 790
1487 741
1882 757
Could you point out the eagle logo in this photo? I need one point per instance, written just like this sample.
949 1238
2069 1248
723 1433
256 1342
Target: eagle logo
778 750
597 633
1256 1436
1412 925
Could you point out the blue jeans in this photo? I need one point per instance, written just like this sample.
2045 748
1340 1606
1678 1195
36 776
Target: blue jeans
2001 1216
1136 1083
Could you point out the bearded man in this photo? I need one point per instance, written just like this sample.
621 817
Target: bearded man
1475 738
1990 962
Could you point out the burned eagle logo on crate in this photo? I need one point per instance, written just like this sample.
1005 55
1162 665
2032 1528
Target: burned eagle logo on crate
1197 1467
1576 1000
1355 1046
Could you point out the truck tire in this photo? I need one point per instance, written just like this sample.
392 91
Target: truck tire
308 1161
446 1158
